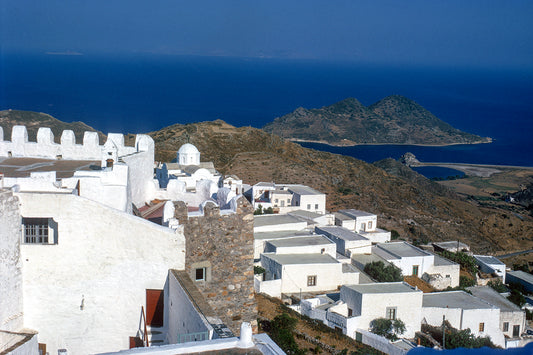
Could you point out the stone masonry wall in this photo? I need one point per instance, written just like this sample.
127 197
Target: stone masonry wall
223 244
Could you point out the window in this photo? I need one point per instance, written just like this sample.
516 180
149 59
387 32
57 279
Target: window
516 330
36 230
505 326
311 280
316 206
415 270
288 201
391 313
200 274
363 227
370 225
350 312
448 276
282 203
308 206
481 327
276 200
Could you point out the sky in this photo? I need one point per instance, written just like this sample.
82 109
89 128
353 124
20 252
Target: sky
418 32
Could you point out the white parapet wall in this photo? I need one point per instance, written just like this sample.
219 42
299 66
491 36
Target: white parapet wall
11 314
84 292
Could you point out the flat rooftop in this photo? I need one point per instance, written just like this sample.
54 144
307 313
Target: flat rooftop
292 259
303 190
438 261
274 219
305 214
64 168
454 299
356 213
339 232
402 249
301 241
280 234
522 275
489 260
451 245
490 295
383 287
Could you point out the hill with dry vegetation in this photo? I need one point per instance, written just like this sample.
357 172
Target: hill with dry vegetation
404 200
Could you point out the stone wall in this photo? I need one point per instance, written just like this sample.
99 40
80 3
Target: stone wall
223 244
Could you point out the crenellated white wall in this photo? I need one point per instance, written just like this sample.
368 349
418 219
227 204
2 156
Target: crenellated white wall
128 181
85 293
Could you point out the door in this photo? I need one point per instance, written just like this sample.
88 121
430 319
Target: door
415 270
154 308
516 331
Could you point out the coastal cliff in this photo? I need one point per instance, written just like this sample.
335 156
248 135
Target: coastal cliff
392 120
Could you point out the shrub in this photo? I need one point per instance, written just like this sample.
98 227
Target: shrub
258 270
381 273
498 286
517 298
394 234
466 261
281 331
387 328
259 210
465 281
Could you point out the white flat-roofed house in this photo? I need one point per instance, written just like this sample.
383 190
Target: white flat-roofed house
313 244
260 239
512 318
491 265
347 242
308 198
307 272
363 223
463 311
232 182
361 304
417 262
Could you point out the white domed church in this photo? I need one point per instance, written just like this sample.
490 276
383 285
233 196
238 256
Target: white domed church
188 154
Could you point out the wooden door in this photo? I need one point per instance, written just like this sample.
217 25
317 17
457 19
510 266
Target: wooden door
154 308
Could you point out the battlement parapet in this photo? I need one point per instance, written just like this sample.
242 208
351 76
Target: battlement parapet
90 149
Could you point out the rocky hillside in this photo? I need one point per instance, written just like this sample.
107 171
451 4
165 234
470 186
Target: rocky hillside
394 119
34 120
404 200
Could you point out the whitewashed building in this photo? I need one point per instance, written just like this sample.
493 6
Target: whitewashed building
359 305
411 260
347 242
490 265
512 318
305 273
284 198
463 311
363 223
312 244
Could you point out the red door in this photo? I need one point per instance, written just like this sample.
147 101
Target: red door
154 307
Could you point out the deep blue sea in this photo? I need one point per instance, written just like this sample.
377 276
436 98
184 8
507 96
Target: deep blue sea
142 93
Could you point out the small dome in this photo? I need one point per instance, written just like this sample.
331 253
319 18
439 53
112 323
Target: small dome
188 148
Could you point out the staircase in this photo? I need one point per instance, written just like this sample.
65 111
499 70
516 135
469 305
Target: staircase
156 336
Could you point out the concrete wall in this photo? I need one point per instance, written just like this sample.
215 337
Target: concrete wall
424 263
183 317
269 287
311 201
294 278
222 241
85 293
513 318
362 223
11 311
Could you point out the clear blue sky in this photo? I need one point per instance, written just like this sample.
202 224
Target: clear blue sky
422 32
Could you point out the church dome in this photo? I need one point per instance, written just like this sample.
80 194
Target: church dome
188 148
188 154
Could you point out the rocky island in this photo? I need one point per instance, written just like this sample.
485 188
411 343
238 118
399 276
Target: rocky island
392 120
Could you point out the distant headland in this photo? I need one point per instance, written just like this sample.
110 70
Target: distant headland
392 120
